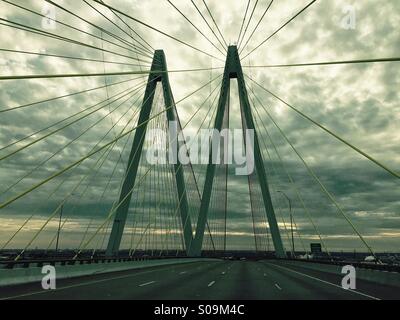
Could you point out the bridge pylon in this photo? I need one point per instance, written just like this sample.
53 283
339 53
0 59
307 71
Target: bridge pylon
233 70
158 74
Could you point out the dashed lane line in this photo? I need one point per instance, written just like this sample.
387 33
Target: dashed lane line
86 284
277 286
147 284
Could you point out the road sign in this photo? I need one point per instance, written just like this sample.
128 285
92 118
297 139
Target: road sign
316 248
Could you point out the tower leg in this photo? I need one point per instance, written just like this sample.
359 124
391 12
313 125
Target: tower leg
210 174
233 69
158 74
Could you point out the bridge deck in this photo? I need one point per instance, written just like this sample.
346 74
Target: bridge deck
209 280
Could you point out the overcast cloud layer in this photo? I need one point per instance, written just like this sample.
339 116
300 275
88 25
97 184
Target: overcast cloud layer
358 102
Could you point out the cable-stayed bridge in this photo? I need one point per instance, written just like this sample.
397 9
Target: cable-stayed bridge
108 177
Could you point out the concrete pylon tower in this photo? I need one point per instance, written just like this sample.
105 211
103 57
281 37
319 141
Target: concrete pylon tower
158 73
193 245
233 70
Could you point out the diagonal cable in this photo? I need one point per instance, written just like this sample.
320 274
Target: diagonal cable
336 136
215 22
208 25
326 63
255 29
157 30
279 29
248 24
318 181
194 26
244 20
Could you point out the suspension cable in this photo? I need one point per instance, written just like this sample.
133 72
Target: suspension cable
64 180
133 30
392 172
279 29
319 182
116 25
19 26
394 59
255 29
66 96
194 26
157 30
212 18
77 75
248 23
104 155
244 20
291 180
208 25
113 35
77 29
55 124
113 211
89 155
68 57
125 93
69 143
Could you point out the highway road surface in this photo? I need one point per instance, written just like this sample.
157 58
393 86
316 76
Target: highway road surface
208 280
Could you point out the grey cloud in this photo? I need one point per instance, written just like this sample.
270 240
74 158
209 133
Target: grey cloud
359 102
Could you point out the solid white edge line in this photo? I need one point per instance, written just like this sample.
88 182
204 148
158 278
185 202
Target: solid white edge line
326 282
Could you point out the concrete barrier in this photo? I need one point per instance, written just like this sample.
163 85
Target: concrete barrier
375 276
16 276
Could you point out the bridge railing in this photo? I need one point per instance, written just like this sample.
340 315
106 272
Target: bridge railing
62 261
11 264
356 264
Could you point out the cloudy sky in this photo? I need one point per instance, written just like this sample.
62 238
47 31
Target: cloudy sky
358 102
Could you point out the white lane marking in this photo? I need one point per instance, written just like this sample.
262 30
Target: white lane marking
147 284
326 282
277 286
89 283
223 273
211 284
183 272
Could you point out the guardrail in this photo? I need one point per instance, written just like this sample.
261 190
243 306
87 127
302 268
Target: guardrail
11 264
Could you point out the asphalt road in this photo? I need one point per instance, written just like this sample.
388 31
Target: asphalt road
219 280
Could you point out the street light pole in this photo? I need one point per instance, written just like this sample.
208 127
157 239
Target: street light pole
59 227
291 227
291 220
